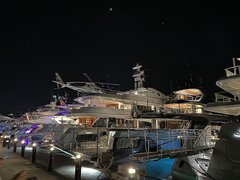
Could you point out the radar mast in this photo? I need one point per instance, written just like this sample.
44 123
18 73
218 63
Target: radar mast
138 76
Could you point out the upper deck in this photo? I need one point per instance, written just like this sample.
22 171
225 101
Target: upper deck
230 83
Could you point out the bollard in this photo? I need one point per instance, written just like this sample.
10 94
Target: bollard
9 143
23 148
15 145
34 151
50 160
131 173
78 167
4 141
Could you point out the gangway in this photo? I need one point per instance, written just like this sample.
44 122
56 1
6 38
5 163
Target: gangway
191 142
169 153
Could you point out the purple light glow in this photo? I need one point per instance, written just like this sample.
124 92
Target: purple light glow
28 131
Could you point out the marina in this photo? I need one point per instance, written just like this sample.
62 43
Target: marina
95 90
135 134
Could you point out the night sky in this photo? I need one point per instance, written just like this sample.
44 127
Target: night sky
174 43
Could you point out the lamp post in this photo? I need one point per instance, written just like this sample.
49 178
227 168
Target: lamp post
50 160
8 141
23 148
4 141
78 167
34 150
132 173
15 145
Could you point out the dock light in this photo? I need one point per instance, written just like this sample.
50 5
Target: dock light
78 167
78 156
50 160
23 148
15 145
131 171
5 136
34 151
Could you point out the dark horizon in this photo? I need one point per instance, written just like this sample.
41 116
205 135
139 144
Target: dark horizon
174 44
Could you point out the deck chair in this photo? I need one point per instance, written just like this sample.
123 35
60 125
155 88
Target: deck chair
104 162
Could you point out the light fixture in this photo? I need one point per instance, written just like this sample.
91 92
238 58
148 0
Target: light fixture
34 144
136 93
78 156
52 149
237 134
15 139
131 171
22 142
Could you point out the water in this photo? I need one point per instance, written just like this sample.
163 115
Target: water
160 169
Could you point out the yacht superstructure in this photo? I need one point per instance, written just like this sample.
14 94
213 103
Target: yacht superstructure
227 102
104 107
185 101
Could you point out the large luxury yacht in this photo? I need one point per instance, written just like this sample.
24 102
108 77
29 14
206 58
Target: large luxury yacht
53 113
47 123
134 113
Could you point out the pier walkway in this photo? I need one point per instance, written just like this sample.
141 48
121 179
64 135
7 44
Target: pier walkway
13 163
63 167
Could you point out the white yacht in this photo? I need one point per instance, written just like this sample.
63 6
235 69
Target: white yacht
50 122
53 113
153 138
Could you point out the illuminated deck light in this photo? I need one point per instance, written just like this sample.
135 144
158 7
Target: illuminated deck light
131 171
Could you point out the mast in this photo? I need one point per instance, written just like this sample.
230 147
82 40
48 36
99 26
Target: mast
138 76
234 66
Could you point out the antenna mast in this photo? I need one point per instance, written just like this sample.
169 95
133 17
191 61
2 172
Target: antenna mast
138 76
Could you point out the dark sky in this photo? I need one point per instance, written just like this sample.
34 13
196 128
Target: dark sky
172 42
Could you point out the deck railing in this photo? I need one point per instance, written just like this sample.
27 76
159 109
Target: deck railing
225 96
191 141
